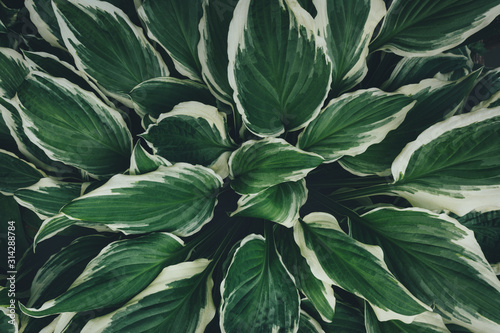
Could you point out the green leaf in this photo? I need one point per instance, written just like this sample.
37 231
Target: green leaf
57 273
258 293
43 17
278 67
86 29
257 165
486 93
73 126
194 133
453 165
11 217
174 25
348 127
279 203
436 99
308 324
161 94
448 269
47 196
117 274
347 27
424 28
338 259
142 162
14 70
16 173
178 199
212 49
318 292
178 300
486 228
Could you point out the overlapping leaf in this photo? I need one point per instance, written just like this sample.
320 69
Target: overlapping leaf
43 17
142 162
16 173
178 199
14 70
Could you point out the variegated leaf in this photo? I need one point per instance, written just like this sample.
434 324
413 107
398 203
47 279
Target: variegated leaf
308 324
43 17
16 173
178 199
353 122
257 165
486 228
14 71
142 162
278 67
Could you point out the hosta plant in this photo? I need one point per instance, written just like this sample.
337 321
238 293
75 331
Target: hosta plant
249 166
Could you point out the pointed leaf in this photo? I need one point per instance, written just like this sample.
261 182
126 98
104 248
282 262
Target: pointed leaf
43 17
178 199
308 324
142 162
116 274
174 25
280 203
178 300
347 27
448 269
453 165
421 28
258 293
86 28
347 126
275 54
257 165
161 94
14 70
16 173
194 133
338 259
73 126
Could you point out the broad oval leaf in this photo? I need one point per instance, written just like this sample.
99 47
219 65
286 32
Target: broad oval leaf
353 122
347 27
174 25
257 165
178 300
73 126
16 173
86 29
258 293
423 27
142 162
194 133
116 274
448 269
161 94
179 199
338 259
278 67
279 203
453 165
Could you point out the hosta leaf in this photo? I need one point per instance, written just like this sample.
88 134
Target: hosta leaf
346 319
174 25
453 165
423 27
280 203
47 196
347 27
14 70
212 49
448 269
194 133
412 70
73 126
318 292
486 93
56 275
426 322
353 122
338 259
436 99
16 173
258 293
178 199
257 165
161 94
178 300
278 67
11 212
117 274
86 29
486 228
43 17
308 324
142 162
